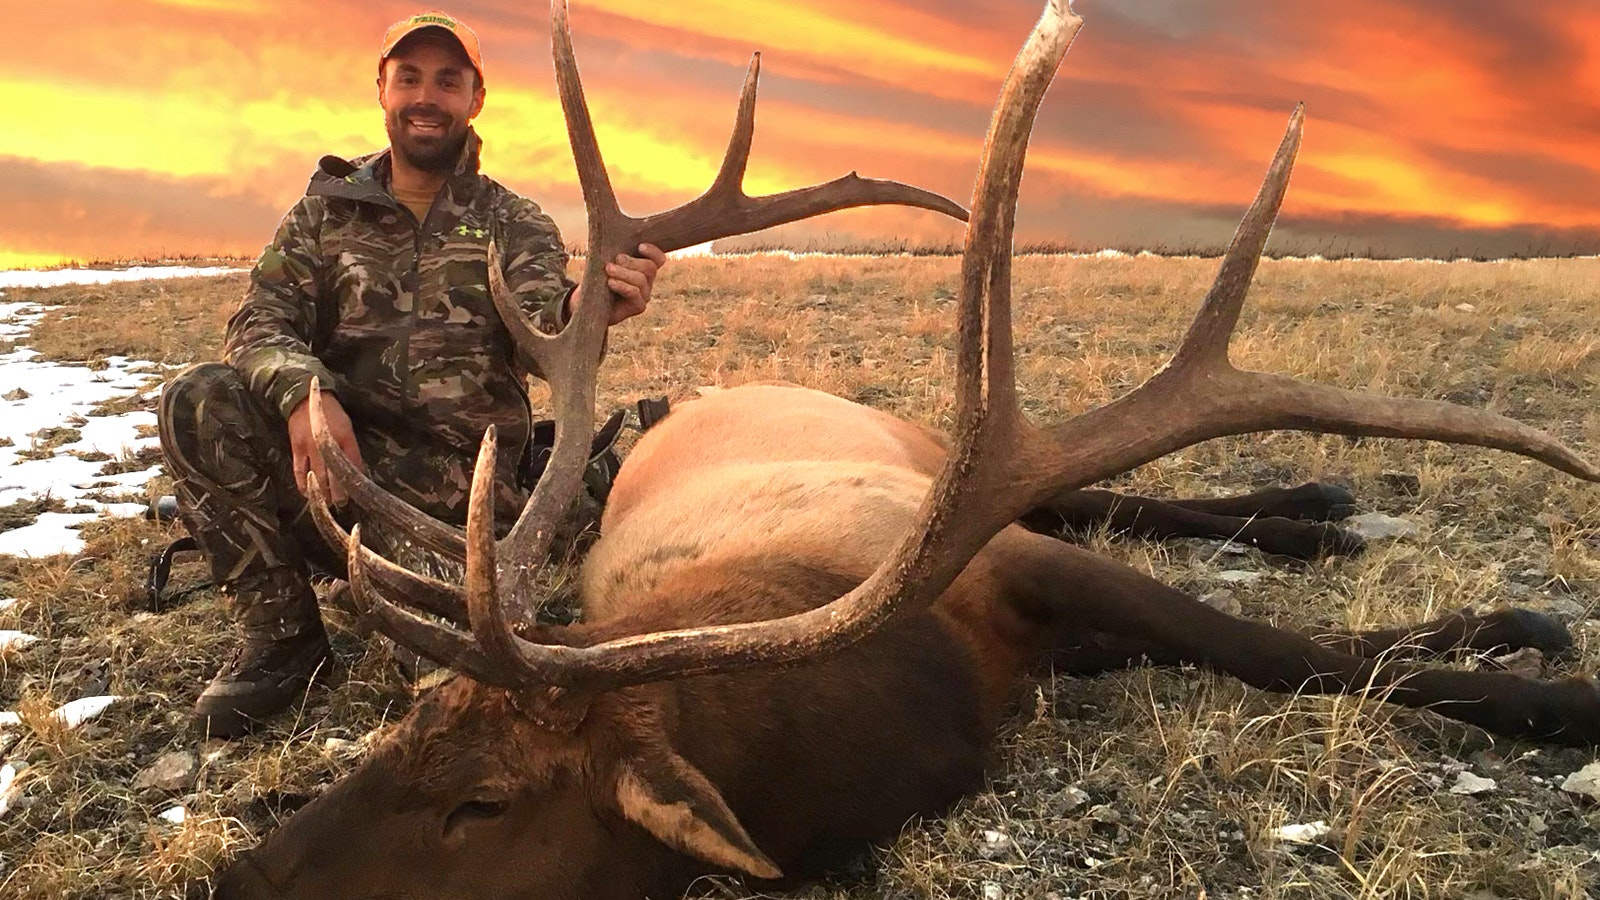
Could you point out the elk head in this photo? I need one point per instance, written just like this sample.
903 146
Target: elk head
470 797
549 764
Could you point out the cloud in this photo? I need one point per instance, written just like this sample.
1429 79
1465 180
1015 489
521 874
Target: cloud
1462 117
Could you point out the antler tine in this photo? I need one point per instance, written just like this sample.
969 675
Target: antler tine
731 176
1200 395
598 196
1213 327
724 209
436 642
409 521
427 594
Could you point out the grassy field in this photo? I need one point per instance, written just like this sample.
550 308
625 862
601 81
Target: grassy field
1146 783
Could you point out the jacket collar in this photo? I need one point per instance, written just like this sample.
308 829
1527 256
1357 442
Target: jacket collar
366 178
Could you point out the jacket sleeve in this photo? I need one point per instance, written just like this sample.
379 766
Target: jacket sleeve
270 337
535 265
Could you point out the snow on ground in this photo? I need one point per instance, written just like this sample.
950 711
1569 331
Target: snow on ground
38 395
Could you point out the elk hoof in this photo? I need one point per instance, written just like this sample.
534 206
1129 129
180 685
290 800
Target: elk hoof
1544 633
1317 502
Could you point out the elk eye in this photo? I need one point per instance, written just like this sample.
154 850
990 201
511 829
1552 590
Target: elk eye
475 810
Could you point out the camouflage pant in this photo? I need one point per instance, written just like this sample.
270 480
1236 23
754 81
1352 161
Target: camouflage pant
228 455
229 458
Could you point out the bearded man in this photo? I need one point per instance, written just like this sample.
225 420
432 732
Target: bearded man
376 285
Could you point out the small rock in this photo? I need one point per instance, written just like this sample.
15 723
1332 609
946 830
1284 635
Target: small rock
174 771
992 891
340 747
1069 799
1224 601
995 845
1537 824
1105 814
1306 833
1238 576
1568 611
1584 782
1527 662
1379 527
1470 784
1466 307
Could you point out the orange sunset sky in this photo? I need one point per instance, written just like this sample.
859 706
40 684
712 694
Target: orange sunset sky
1436 127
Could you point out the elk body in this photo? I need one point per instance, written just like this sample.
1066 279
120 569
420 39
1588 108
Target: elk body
804 617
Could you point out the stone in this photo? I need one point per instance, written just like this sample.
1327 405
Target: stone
1527 662
1469 784
1238 576
1380 527
995 845
1305 833
1223 601
175 771
1585 782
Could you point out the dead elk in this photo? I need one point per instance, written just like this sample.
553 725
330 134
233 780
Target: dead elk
805 616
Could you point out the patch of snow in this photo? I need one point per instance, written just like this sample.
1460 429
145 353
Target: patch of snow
76 712
53 533
8 787
174 816
18 278
40 395
16 640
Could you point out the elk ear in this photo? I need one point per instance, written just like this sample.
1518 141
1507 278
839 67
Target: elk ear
674 801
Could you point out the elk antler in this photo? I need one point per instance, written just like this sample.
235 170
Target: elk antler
570 361
1000 465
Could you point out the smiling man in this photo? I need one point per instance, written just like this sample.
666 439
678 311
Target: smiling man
376 285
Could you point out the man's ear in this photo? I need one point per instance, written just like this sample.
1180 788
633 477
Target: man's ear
477 104
671 799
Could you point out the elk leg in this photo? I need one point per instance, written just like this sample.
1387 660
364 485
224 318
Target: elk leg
1310 502
1093 652
1065 590
1150 518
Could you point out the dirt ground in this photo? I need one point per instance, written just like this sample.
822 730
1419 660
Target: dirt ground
1145 783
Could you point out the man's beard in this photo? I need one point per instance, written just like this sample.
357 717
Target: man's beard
426 153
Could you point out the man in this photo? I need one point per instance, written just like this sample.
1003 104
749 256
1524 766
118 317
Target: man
376 284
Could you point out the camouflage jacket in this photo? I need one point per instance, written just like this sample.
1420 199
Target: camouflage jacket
394 316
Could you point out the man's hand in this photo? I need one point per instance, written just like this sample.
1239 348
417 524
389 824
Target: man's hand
630 279
304 446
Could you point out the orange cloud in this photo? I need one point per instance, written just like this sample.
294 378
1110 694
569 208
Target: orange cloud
1450 115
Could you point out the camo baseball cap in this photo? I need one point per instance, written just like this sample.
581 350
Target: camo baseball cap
443 21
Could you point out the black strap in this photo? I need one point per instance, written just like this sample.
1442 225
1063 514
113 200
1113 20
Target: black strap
651 411
161 570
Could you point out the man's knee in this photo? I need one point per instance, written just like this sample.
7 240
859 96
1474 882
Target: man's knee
195 388
207 405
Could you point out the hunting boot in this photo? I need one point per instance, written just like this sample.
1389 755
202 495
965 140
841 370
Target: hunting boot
283 647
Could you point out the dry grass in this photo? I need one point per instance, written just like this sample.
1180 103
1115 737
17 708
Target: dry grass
1141 784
